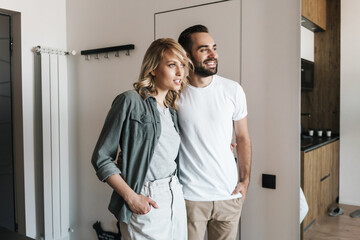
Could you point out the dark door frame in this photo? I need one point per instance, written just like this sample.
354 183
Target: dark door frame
17 120
13 225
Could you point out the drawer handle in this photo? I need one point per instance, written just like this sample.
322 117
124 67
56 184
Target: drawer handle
325 177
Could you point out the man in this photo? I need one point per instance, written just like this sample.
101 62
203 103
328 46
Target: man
210 108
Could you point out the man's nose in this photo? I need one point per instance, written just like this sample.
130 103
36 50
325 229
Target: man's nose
212 53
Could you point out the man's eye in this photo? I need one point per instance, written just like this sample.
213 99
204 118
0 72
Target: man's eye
172 65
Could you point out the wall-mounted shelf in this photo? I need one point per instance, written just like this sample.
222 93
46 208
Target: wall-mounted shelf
106 50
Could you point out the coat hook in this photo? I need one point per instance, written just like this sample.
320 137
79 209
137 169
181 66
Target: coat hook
106 55
117 54
127 53
87 57
97 56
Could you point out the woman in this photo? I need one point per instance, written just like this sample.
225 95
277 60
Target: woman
147 198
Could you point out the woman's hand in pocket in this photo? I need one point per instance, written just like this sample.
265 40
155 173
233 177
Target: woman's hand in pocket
140 204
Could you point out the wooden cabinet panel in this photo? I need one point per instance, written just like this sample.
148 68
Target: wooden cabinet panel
335 171
311 186
325 197
315 11
308 9
320 181
329 187
321 13
325 161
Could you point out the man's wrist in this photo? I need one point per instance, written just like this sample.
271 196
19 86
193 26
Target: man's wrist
245 180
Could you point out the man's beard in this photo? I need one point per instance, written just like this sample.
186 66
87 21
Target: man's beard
200 69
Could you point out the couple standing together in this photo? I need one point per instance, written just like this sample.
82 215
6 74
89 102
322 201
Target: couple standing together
178 98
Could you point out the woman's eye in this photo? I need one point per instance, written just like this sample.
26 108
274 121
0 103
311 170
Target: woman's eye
172 65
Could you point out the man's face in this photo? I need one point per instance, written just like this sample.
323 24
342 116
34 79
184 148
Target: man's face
203 54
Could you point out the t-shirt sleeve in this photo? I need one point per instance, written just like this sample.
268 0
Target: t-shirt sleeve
240 104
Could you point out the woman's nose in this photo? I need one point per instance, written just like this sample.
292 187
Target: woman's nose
179 71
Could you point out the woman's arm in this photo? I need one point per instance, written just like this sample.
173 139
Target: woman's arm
105 153
138 203
108 142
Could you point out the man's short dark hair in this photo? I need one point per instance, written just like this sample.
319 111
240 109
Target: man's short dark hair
185 36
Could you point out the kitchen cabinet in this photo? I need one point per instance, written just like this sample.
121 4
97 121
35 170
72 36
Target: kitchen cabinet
319 181
315 11
310 183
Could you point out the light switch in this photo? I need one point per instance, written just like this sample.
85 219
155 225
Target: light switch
269 181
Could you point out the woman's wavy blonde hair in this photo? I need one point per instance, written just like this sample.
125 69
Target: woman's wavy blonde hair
154 54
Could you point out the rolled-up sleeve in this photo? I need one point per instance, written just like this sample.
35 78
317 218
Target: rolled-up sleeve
107 146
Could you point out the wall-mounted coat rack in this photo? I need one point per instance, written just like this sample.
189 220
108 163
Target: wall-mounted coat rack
106 50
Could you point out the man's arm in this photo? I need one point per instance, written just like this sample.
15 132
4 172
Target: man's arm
243 150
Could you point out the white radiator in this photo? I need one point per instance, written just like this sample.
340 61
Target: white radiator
55 143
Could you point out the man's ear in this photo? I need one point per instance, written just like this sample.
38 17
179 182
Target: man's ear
188 55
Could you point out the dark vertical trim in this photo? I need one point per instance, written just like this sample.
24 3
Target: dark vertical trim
154 26
12 124
14 224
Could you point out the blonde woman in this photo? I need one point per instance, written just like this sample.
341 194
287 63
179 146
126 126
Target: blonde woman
147 198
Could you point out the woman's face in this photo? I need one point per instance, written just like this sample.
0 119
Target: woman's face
169 73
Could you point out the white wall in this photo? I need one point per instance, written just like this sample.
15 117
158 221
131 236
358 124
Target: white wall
307 44
350 103
271 79
42 23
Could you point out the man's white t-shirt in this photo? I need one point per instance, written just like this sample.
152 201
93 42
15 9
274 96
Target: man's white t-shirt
208 170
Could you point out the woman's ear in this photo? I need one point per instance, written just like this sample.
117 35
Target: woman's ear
152 73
